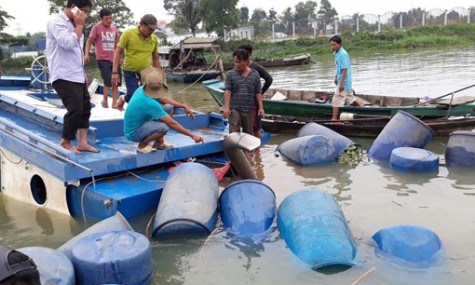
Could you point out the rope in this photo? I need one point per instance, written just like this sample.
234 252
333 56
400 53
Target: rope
199 78
21 159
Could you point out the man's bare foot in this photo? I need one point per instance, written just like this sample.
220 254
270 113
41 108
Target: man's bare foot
67 145
120 103
87 148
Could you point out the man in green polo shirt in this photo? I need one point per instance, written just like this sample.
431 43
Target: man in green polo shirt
141 50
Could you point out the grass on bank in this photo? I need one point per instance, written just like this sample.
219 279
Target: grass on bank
421 37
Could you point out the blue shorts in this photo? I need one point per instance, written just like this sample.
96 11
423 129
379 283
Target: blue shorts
149 128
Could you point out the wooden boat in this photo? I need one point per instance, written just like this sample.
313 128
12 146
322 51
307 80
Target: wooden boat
365 126
187 61
298 59
34 169
312 104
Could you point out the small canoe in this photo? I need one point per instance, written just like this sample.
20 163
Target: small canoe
298 59
317 104
366 126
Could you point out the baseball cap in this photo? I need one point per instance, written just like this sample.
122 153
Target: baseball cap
150 21
155 82
8 270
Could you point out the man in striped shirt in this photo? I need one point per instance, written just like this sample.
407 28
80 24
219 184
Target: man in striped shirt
243 88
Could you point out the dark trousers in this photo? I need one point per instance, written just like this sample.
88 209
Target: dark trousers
77 101
239 119
132 80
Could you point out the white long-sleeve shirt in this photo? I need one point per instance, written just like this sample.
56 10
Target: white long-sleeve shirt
64 50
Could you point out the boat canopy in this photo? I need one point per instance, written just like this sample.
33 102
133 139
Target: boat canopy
196 43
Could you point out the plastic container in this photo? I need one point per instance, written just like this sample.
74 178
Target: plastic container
53 265
408 245
414 159
188 204
460 149
113 223
247 207
402 130
315 229
117 257
309 150
340 142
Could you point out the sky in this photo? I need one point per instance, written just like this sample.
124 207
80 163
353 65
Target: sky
32 15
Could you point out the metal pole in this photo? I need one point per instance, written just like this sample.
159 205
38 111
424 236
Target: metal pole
424 18
273 31
315 29
445 17
379 23
358 23
400 21
293 29
468 17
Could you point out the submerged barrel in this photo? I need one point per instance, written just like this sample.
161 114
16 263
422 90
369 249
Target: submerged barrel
413 159
408 245
53 265
309 150
340 142
116 257
315 229
247 207
460 149
113 223
188 204
402 130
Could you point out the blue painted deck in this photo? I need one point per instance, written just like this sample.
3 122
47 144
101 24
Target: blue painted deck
31 121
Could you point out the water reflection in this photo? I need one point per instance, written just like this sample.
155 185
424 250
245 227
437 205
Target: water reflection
462 179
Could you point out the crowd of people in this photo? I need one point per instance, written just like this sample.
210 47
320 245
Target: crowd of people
135 54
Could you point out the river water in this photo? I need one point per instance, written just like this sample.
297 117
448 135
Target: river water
372 196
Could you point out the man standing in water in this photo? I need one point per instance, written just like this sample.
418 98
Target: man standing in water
64 42
105 37
267 82
344 90
243 88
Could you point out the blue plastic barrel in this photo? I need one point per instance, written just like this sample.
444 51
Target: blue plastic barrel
340 142
116 257
460 149
113 223
188 204
309 150
408 245
53 265
315 229
413 159
247 207
402 130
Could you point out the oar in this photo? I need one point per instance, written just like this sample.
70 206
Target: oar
445 95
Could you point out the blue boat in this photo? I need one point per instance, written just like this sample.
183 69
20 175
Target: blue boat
36 170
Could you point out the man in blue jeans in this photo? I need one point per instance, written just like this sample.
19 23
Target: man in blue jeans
145 120
141 50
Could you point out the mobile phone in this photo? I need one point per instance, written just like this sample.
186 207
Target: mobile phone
75 10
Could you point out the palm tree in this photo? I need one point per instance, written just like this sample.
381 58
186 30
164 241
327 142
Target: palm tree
4 16
188 13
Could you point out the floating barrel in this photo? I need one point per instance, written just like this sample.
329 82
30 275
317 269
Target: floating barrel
408 245
309 150
113 223
315 229
247 207
116 257
53 265
340 142
402 130
460 149
413 159
188 202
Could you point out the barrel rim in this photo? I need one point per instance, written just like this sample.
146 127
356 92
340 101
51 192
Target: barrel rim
418 120
165 223
464 133
244 181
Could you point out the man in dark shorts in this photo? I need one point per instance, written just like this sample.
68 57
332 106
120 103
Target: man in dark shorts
267 82
243 88
104 35
64 41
